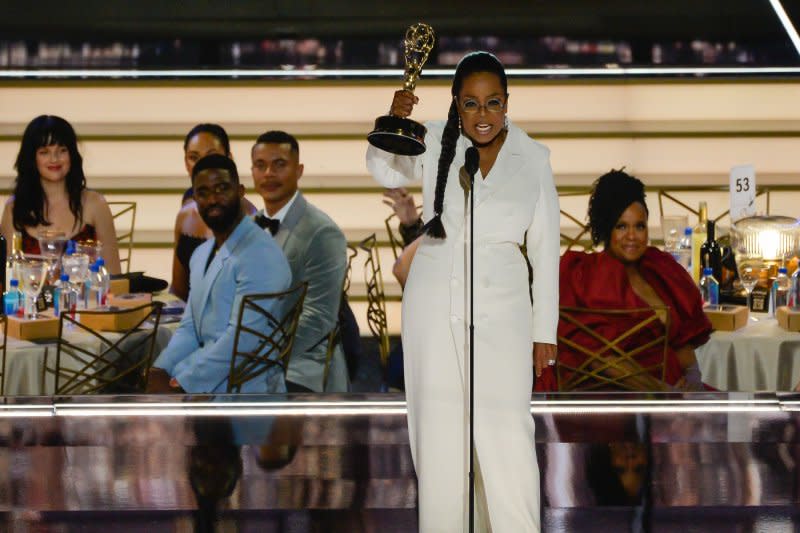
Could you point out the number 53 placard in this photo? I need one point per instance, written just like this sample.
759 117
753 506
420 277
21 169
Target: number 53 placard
743 192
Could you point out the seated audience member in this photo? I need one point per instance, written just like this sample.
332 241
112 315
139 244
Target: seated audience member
630 274
240 259
190 230
317 252
50 192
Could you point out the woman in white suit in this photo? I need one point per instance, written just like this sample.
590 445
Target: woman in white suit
515 202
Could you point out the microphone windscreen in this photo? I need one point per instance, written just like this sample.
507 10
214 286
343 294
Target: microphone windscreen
471 160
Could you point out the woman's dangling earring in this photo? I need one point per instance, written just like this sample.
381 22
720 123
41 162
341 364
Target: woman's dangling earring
505 122
460 129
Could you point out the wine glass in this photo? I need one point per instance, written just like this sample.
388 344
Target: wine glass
77 267
33 273
90 248
750 267
51 246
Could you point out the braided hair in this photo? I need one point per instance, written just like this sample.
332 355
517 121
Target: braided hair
470 64
612 193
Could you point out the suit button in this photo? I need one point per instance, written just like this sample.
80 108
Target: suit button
453 319
202 344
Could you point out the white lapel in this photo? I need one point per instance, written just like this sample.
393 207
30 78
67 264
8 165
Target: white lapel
509 162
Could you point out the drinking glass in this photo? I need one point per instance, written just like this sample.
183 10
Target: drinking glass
750 267
672 227
90 248
33 273
51 246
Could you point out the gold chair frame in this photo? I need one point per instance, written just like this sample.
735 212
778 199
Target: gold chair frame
593 373
99 371
274 347
335 335
4 320
124 239
376 297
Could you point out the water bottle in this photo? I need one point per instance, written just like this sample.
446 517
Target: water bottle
103 282
780 289
683 254
65 297
794 292
12 299
709 287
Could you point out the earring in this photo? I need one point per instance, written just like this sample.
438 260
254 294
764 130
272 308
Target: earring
460 128
505 122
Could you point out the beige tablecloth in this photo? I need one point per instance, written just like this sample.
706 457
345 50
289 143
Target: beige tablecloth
25 360
759 357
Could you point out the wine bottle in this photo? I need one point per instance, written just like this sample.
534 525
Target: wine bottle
698 238
710 252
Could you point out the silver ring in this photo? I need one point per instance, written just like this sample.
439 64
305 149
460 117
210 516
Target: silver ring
551 362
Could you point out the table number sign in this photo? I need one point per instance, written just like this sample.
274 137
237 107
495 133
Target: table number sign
743 192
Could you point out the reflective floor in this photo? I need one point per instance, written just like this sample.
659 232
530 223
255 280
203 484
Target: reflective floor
708 462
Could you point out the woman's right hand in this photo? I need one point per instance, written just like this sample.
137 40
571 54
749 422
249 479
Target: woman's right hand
403 103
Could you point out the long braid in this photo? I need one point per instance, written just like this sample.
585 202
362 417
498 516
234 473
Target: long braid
434 227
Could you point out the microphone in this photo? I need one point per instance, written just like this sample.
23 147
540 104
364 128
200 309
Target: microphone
471 161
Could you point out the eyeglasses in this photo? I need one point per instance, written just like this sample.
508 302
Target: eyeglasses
493 105
220 189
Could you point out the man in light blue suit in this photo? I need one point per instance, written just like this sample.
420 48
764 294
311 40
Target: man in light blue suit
241 259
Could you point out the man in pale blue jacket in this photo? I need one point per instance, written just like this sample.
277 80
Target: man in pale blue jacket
241 259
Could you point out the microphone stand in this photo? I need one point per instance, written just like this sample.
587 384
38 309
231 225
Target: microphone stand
472 159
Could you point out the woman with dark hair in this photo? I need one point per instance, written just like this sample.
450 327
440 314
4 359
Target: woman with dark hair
629 274
50 192
515 203
190 230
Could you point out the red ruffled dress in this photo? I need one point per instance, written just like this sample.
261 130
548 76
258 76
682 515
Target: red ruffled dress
599 281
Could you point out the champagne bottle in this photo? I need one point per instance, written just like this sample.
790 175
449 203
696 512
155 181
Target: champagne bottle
710 252
698 238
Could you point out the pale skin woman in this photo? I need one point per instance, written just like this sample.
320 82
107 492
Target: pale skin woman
53 164
482 93
188 221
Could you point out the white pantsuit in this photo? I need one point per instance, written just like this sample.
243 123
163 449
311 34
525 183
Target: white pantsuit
516 203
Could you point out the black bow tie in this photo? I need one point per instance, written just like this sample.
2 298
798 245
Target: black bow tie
270 223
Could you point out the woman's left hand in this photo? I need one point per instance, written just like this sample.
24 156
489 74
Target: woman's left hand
543 354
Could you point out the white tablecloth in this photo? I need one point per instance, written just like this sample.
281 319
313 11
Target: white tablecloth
759 357
25 360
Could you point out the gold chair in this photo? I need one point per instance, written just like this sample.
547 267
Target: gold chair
603 363
124 215
117 366
393 230
4 320
334 336
376 298
272 346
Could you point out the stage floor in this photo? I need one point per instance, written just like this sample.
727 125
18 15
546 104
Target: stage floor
305 463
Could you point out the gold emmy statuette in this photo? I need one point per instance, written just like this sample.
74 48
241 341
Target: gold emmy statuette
404 136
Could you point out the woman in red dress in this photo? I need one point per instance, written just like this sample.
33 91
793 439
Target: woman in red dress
629 274
50 192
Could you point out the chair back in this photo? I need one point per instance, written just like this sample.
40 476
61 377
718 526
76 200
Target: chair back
124 215
629 359
265 330
108 362
376 298
334 337
4 320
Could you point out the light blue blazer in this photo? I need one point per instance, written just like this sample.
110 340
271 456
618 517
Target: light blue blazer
199 354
